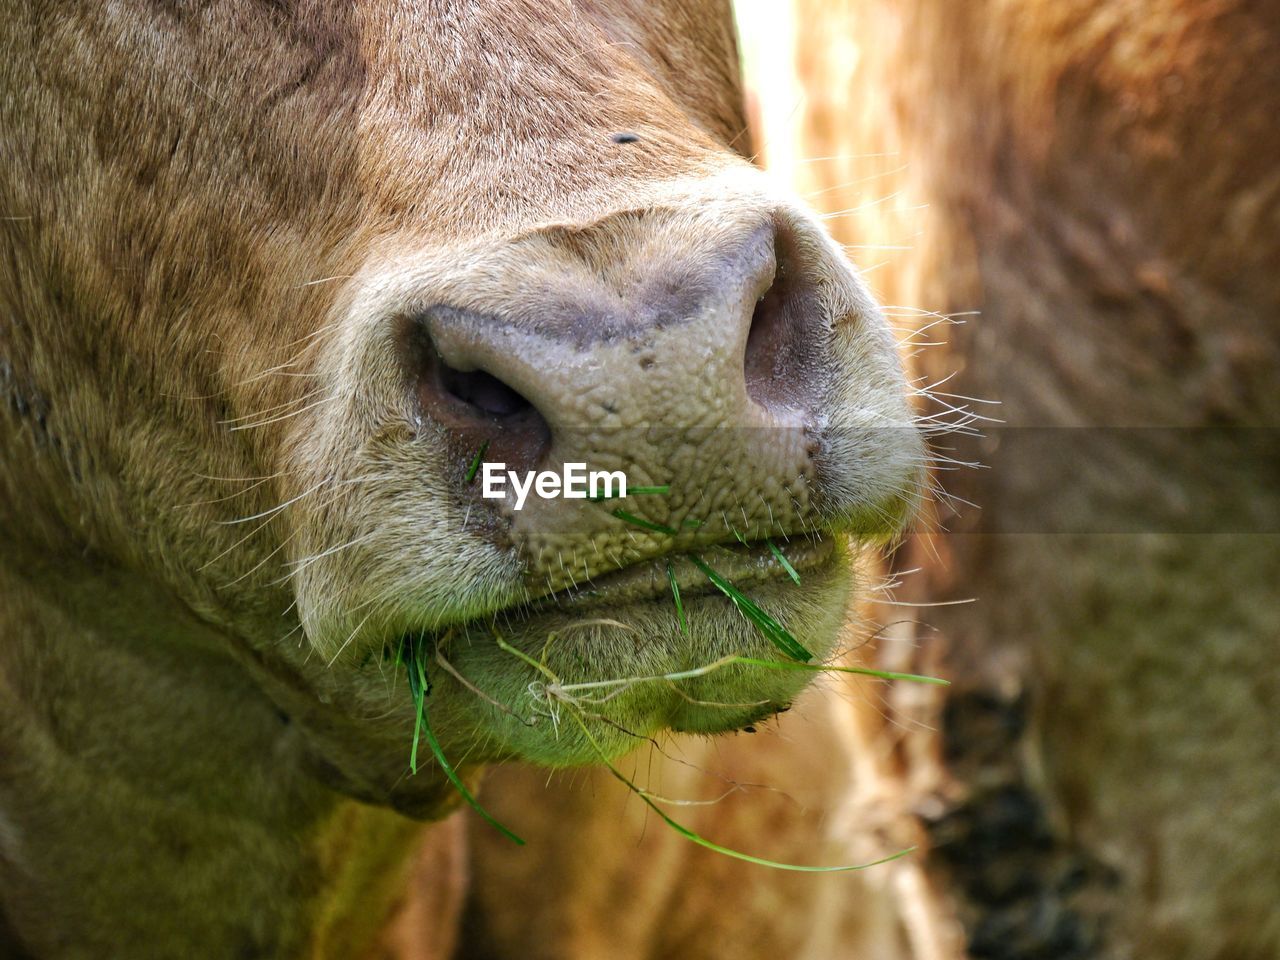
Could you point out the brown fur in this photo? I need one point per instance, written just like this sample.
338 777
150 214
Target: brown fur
219 504
1101 184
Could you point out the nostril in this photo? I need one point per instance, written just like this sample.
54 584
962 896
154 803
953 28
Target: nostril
764 362
476 407
483 391
463 397
783 358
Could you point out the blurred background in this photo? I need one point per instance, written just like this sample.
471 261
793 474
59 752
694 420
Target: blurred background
1071 212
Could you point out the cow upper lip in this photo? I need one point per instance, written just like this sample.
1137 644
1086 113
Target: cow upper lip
743 564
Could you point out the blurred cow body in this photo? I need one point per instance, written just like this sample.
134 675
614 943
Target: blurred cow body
1102 185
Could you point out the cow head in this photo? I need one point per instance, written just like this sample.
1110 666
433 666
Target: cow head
288 268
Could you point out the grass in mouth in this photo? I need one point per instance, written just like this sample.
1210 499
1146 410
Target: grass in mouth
576 697
775 632
567 695
475 462
641 522
420 689
782 559
573 696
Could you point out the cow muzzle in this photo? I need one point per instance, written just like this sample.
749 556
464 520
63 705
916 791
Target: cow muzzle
696 359
722 356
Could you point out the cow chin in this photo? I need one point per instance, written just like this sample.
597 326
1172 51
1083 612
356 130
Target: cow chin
566 686
574 677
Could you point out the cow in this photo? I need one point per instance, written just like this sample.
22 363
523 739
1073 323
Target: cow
1079 200
278 276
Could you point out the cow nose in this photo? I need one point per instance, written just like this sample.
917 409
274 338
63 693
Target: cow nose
727 339
697 365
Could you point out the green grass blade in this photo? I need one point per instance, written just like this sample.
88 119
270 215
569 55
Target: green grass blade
656 491
786 564
733 658
419 687
777 634
461 787
521 655
675 592
475 463
751 858
642 522
825 667
702 841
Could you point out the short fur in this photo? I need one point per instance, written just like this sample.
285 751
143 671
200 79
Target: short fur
220 508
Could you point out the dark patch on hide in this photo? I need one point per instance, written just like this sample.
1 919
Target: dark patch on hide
1026 892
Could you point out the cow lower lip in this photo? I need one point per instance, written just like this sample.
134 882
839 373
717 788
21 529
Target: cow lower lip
742 564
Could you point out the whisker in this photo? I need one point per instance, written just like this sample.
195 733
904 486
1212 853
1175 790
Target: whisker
278 508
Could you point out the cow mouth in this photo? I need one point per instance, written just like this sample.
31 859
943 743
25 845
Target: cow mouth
620 648
744 564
